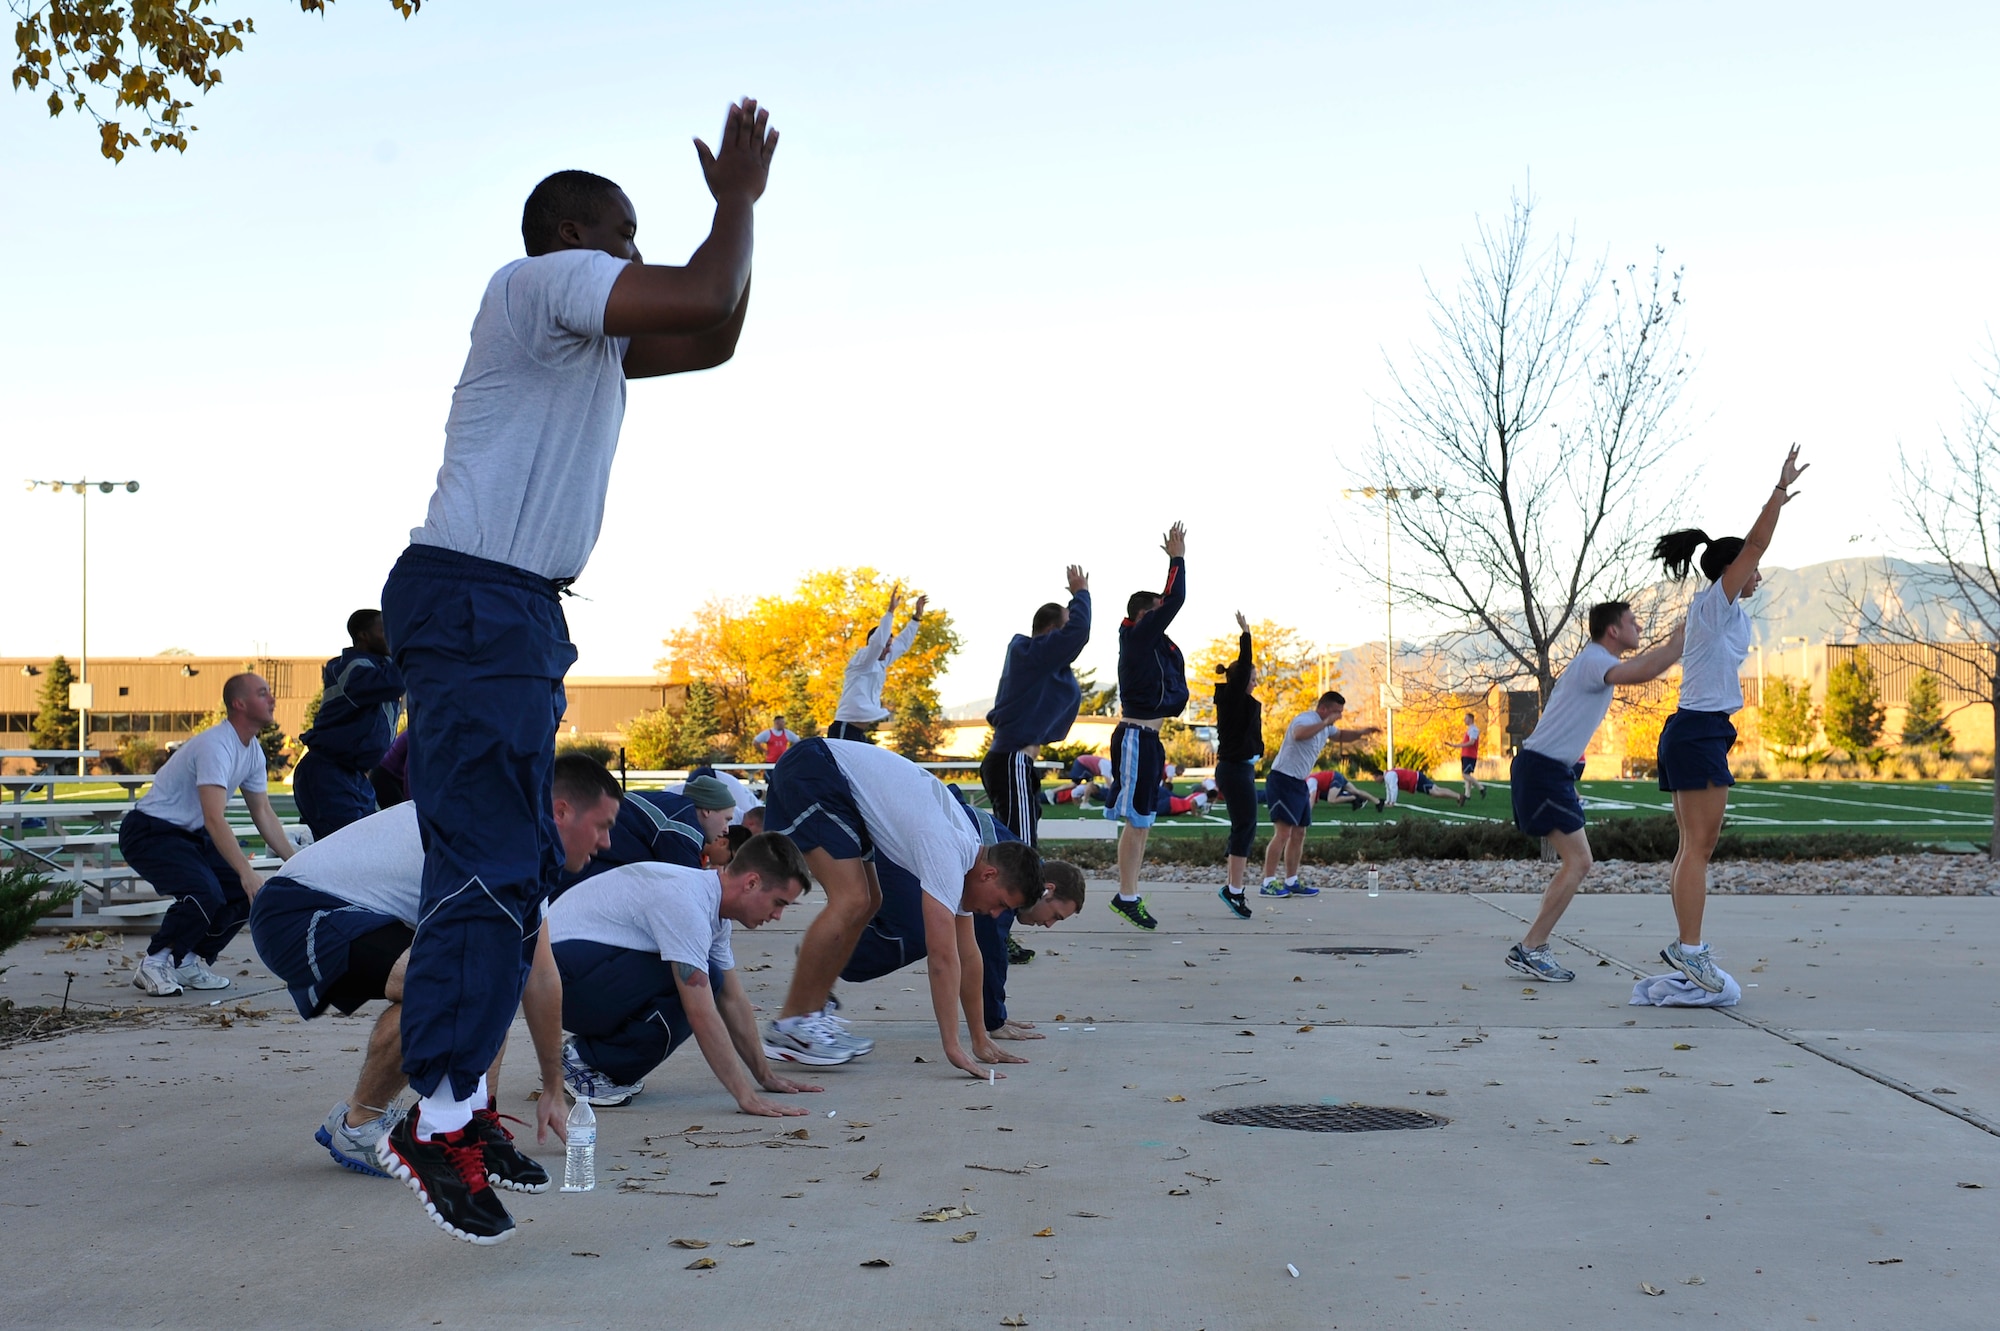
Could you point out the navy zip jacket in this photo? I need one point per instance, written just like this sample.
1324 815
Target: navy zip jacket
653 827
361 699
1039 697
1239 717
1152 676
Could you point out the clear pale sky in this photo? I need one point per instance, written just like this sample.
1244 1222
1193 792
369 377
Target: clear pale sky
1032 281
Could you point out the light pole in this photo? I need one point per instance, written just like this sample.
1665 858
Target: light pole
1391 696
79 693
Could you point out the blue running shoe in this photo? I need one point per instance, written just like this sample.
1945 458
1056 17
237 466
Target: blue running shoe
1274 888
1300 890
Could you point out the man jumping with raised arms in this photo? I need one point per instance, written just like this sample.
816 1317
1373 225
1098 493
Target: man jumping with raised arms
473 607
1152 686
1550 763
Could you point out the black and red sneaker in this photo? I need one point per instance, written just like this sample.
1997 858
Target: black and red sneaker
448 1174
507 1165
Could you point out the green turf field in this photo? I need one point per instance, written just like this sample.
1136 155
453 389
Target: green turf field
1918 810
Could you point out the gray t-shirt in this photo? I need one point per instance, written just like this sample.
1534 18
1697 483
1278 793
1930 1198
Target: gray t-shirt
215 757
534 419
376 863
1576 707
1297 756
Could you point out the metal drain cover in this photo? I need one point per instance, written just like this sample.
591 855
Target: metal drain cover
1357 951
1326 1118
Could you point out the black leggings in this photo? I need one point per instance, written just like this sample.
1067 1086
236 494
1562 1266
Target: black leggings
1237 784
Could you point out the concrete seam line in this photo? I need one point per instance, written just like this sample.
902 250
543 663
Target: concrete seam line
1797 1042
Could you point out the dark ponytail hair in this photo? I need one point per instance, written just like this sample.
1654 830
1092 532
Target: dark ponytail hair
1676 550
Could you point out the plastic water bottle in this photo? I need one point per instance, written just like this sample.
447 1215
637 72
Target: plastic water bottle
580 1164
1374 882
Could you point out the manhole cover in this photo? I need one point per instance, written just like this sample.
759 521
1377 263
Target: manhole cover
1326 1118
1357 951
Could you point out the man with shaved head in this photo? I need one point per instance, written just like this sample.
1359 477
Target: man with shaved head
180 841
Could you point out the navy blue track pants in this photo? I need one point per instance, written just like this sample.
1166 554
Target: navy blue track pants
330 796
895 939
209 903
622 1007
483 648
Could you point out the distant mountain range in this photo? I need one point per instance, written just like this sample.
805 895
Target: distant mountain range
1809 603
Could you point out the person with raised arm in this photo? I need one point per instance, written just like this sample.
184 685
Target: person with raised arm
860 708
1694 744
1152 686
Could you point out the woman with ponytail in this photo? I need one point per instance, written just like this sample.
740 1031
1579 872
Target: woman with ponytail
1694 745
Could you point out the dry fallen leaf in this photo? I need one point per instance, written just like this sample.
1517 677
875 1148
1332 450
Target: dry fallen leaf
742 1243
1048 1233
1885 1261
799 1134
1016 1320
1760 1081
1298 979
1304 1029
1972 1185
967 1237
584 1254
688 1243
872 1175
945 1213
1177 1192
878 1261
1635 1090
1693 1280
1580 1141
1176 1099
1653 1290
1597 1160
702 1264
918 1059
1683 1046
1617 1140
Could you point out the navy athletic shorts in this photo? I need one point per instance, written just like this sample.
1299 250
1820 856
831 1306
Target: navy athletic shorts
1289 799
329 952
1138 769
1545 798
1694 750
810 801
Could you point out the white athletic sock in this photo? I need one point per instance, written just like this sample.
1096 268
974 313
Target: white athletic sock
1689 949
1292 880
440 1113
1123 897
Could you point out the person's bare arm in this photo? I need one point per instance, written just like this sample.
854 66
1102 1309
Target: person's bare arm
698 1001
741 1020
941 942
652 355
662 302
1737 576
266 821
541 1004
1348 736
972 994
214 801
1651 663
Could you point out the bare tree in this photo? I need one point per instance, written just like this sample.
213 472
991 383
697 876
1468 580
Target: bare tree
1538 443
1943 614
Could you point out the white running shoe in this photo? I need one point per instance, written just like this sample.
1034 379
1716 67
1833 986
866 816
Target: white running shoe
808 1039
843 1029
156 976
195 974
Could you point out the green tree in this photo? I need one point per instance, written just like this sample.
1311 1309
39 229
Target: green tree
55 724
1924 725
1853 707
917 731
312 707
1096 701
799 716
1789 718
650 738
276 759
141 55
694 736
26 897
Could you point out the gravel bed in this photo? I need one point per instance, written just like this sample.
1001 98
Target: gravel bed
1885 875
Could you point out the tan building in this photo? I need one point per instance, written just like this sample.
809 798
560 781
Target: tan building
164 698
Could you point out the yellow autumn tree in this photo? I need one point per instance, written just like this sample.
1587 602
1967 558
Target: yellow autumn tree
788 653
1288 677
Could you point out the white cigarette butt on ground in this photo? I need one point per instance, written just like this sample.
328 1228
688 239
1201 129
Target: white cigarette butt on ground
830 1113
1293 1269
989 1078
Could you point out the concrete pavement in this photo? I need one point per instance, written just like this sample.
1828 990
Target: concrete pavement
165 1174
